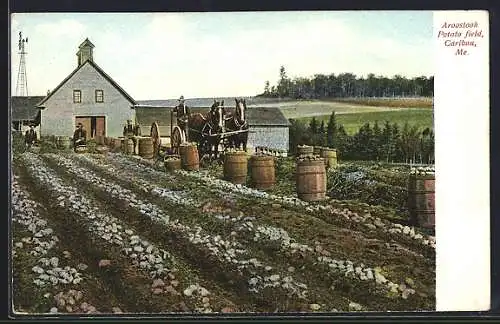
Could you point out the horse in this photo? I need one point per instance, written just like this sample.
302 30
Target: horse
236 122
202 127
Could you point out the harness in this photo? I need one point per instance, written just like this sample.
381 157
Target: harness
238 124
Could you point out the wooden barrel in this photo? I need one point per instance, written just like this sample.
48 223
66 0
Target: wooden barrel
330 157
317 150
123 145
236 167
172 163
311 180
116 144
262 171
190 160
421 204
130 146
146 147
305 150
63 142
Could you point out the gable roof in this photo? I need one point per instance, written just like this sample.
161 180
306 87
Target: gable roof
86 42
98 69
24 108
266 116
256 116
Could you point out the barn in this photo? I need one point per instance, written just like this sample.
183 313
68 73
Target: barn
89 96
24 112
268 125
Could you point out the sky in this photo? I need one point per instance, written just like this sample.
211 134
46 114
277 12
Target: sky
165 55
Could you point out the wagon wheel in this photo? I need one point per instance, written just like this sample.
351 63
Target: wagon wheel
155 135
176 139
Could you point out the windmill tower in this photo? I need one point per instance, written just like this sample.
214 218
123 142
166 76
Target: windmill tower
22 81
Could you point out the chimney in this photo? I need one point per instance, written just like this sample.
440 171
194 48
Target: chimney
85 52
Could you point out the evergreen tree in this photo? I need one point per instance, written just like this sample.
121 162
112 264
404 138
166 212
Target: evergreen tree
331 131
396 152
266 88
376 142
321 134
342 142
313 126
386 141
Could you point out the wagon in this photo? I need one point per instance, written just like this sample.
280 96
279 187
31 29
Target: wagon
178 136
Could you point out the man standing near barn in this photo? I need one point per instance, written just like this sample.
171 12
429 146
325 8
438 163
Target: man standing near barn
30 137
79 136
131 131
182 111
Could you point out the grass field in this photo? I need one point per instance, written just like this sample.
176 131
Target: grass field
424 102
353 121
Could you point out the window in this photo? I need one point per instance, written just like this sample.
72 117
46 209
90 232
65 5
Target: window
99 96
77 96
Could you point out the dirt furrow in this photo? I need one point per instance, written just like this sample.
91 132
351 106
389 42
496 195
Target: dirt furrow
51 275
107 240
309 262
332 212
397 261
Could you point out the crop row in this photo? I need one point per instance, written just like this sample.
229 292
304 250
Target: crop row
262 233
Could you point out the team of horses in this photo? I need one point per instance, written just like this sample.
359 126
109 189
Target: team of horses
210 129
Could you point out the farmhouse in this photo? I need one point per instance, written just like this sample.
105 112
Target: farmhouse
268 126
88 96
24 112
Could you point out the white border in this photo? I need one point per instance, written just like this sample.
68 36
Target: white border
461 117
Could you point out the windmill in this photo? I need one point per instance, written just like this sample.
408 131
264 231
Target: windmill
22 80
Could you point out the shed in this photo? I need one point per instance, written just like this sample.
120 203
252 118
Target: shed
268 125
24 111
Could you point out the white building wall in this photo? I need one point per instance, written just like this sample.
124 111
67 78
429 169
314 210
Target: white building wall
58 118
274 137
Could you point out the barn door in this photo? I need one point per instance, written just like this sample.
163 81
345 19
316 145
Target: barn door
100 126
86 124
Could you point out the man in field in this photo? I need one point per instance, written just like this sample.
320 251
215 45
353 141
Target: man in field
131 131
79 136
182 111
30 137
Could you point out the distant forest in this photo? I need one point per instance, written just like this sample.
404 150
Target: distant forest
348 85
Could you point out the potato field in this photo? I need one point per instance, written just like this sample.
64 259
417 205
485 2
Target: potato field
115 233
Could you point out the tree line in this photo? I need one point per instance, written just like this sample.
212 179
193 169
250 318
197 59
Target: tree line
384 143
348 85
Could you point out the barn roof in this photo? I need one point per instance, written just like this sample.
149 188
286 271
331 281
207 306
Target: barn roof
191 102
256 116
98 69
24 108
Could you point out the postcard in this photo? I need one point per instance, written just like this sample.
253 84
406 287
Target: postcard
314 162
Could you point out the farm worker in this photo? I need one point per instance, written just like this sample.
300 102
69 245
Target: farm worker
182 111
30 136
130 131
79 136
